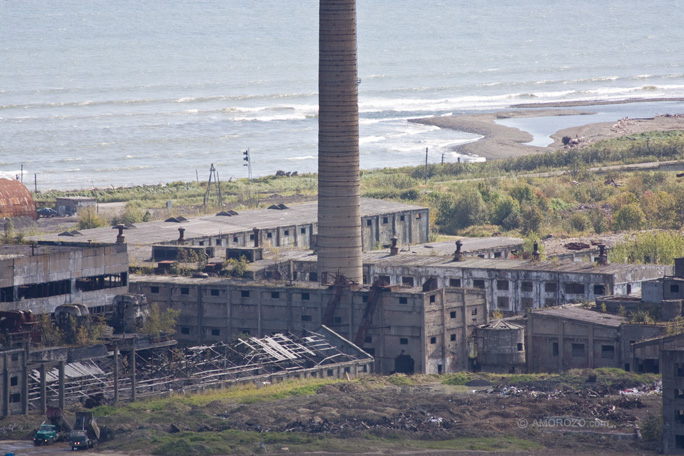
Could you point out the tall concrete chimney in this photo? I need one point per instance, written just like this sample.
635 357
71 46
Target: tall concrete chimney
339 213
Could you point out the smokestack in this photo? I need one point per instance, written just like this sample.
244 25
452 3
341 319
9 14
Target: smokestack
181 236
339 213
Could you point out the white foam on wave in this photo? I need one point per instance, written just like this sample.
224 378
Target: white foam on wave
303 157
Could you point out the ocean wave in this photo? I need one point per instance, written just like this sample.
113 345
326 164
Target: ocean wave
300 158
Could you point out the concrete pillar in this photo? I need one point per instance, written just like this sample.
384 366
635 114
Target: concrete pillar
116 373
339 213
5 388
131 364
591 347
25 388
561 345
43 389
61 385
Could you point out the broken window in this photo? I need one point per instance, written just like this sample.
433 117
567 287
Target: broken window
275 295
479 283
456 283
473 312
679 441
497 254
433 340
407 281
520 346
554 349
452 314
244 293
313 277
384 279
607 351
526 303
402 300
14 381
452 337
337 320
306 317
44 290
16 397
433 298
185 330
403 341
674 288
385 220
303 230
502 285
527 286
305 296
7 294
599 290
154 290
369 222
679 416
185 291
368 340
215 332
502 302
578 350
551 287
214 292
574 288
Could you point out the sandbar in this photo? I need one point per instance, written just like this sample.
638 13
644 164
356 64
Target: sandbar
499 142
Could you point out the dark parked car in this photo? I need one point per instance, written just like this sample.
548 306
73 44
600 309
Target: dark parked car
47 212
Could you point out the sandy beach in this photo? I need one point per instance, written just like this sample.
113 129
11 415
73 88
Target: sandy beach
500 142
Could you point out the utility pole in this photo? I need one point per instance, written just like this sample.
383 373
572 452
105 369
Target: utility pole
426 164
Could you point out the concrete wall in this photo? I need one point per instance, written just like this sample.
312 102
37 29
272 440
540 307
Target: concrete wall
501 350
13 380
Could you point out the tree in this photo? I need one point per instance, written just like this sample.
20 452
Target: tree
532 219
90 219
159 322
464 210
629 217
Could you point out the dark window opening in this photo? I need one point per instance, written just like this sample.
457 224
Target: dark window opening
551 287
385 279
497 254
364 298
185 291
502 302
433 340
452 314
337 320
679 441
251 237
302 230
574 288
286 232
578 350
235 239
385 220
407 281
368 340
403 300
401 218
201 242
607 351
432 298
555 349
215 332
456 283
214 292
679 370
185 330
452 337
44 290
16 397
244 293
479 283
313 277
7 294
679 416
369 222
629 288
526 303
269 235
101 282
439 368
14 381
473 312
275 295
599 290
306 317
520 346
218 241
403 341
502 285
678 393
154 290
527 286
674 288
305 296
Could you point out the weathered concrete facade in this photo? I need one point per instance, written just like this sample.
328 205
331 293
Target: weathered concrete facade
41 277
74 204
410 330
501 347
13 378
672 362
570 337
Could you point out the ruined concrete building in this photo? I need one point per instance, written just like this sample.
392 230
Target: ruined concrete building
406 329
672 361
41 277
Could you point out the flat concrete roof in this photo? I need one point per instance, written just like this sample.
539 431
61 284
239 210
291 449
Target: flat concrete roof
583 315
211 225
470 245
8 251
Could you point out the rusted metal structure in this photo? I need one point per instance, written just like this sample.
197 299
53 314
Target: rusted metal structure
339 229
16 200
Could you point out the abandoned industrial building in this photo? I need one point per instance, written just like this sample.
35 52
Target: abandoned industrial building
672 360
406 329
41 277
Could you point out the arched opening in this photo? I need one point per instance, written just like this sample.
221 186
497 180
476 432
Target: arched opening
404 364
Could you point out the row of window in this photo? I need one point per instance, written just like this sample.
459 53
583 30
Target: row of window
269 235
385 220
62 287
578 351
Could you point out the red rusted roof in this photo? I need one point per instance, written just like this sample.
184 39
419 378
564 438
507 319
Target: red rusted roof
16 200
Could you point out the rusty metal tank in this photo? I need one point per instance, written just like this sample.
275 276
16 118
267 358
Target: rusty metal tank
16 200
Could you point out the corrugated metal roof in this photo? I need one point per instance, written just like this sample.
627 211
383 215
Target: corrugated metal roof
16 200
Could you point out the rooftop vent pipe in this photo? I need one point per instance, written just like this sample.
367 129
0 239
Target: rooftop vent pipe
181 236
120 238
536 256
603 255
394 250
458 255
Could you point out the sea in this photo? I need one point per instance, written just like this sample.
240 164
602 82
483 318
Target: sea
101 93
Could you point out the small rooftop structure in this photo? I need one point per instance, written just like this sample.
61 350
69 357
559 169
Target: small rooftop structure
16 200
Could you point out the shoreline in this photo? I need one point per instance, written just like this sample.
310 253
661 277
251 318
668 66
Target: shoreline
501 142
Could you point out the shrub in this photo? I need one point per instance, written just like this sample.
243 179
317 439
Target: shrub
629 217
